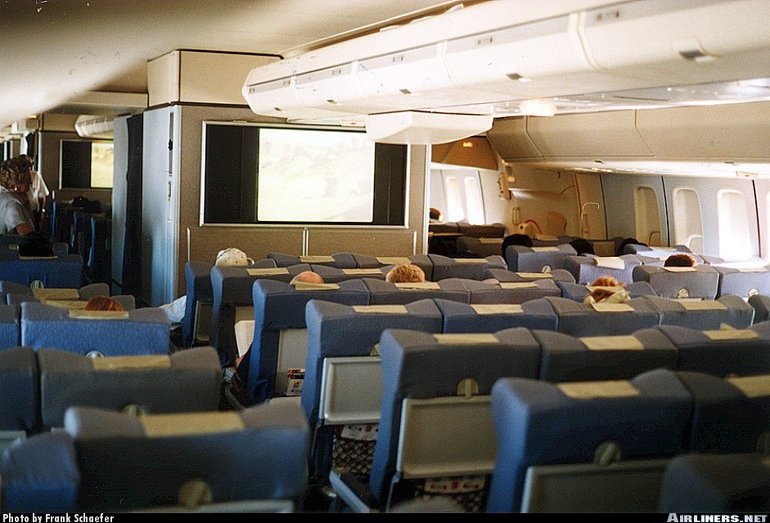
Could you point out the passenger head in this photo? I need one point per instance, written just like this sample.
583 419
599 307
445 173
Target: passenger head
516 239
14 176
434 214
307 277
679 260
582 246
606 281
627 241
103 303
405 273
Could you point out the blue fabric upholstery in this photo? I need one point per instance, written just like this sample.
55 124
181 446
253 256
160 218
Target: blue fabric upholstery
62 272
463 317
504 275
529 259
469 268
340 260
743 283
19 389
41 474
578 291
120 463
728 310
279 306
186 381
587 268
231 287
482 292
10 326
761 305
198 290
386 293
579 319
415 365
145 331
481 247
569 358
98 256
724 419
701 282
536 423
335 275
335 329
716 483
729 354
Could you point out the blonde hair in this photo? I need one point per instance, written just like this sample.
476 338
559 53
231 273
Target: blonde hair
103 303
405 273
607 281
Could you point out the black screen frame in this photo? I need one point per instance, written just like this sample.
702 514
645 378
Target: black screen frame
233 147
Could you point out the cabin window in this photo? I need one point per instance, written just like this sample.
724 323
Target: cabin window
688 224
647 215
474 200
733 218
86 164
272 174
454 200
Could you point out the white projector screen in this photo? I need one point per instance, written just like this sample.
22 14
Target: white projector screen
312 176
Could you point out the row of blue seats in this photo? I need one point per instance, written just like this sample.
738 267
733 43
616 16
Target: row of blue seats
436 422
45 326
38 386
279 307
343 337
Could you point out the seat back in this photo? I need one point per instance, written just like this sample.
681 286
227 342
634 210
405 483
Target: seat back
279 308
579 319
464 317
537 259
19 394
421 366
588 268
570 358
341 260
722 352
99 252
700 281
578 291
185 381
704 314
542 423
10 326
109 333
743 282
469 268
63 271
502 292
386 293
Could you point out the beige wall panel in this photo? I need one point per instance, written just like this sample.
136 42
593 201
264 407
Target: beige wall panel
163 79
727 131
509 138
374 242
608 134
256 242
216 77
58 122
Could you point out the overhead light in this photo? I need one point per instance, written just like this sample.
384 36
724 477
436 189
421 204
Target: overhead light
537 108
415 127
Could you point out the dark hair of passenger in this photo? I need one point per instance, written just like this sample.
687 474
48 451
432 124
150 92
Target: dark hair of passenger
679 260
516 239
582 246
628 241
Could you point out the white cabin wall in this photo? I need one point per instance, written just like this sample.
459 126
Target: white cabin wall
119 190
496 208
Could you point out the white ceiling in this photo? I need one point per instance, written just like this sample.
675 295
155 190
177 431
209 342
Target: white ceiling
52 51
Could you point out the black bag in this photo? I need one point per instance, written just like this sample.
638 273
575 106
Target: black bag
35 245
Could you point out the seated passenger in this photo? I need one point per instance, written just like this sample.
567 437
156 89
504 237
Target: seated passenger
103 303
605 295
628 241
15 213
515 239
434 215
679 260
405 273
582 246
307 277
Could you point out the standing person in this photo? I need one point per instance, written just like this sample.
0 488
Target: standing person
15 214
38 191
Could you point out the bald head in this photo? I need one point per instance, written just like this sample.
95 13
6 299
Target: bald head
307 277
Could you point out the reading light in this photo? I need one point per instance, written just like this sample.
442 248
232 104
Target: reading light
467 144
